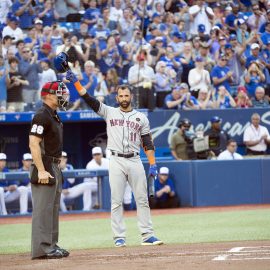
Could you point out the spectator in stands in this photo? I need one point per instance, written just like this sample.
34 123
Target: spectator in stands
19 46
218 138
256 19
72 48
256 137
201 33
109 57
89 80
231 17
254 55
221 74
235 63
48 14
204 99
190 102
32 41
127 25
260 100
38 26
25 11
109 85
242 100
171 60
224 99
127 56
142 77
92 14
175 99
98 162
162 84
3 86
71 190
61 6
4 9
165 196
15 83
108 23
200 13
82 32
12 28
10 191
198 77
6 44
187 60
29 69
178 144
230 152
45 51
47 74
116 11
254 77
205 54
177 43
55 39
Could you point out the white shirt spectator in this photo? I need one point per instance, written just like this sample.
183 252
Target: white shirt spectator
4 9
115 14
198 79
201 17
254 134
93 165
146 73
227 155
47 76
17 33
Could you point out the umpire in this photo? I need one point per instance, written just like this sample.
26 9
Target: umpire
46 145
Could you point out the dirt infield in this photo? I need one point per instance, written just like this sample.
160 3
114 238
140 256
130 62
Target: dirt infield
225 256
246 255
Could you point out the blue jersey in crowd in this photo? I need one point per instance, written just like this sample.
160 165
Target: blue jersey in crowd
220 72
26 19
3 86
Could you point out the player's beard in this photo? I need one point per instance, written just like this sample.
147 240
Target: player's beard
124 104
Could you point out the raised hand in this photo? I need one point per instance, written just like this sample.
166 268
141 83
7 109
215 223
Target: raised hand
71 76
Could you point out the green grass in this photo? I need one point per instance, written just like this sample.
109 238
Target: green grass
172 229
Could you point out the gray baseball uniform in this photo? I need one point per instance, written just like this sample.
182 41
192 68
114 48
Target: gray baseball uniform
124 131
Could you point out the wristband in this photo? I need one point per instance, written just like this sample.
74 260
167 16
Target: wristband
78 86
152 160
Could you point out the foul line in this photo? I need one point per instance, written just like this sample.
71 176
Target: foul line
238 251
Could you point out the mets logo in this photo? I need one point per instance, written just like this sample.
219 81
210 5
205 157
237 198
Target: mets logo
138 119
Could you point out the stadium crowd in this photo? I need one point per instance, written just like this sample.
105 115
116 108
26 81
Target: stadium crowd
176 54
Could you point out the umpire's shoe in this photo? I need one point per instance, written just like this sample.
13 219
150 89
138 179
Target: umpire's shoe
152 241
55 254
64 252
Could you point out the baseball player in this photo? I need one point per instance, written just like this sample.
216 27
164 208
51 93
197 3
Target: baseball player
11 191
71 192
127 129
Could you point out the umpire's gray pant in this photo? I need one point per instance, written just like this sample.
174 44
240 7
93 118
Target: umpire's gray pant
45 218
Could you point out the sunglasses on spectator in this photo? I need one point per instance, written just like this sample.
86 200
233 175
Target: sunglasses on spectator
26 51
223 59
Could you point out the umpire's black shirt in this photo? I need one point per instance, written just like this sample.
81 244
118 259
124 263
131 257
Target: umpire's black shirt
47 125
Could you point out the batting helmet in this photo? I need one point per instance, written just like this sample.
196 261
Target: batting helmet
61 62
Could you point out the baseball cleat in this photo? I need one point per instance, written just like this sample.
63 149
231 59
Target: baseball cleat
152 241
120 243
